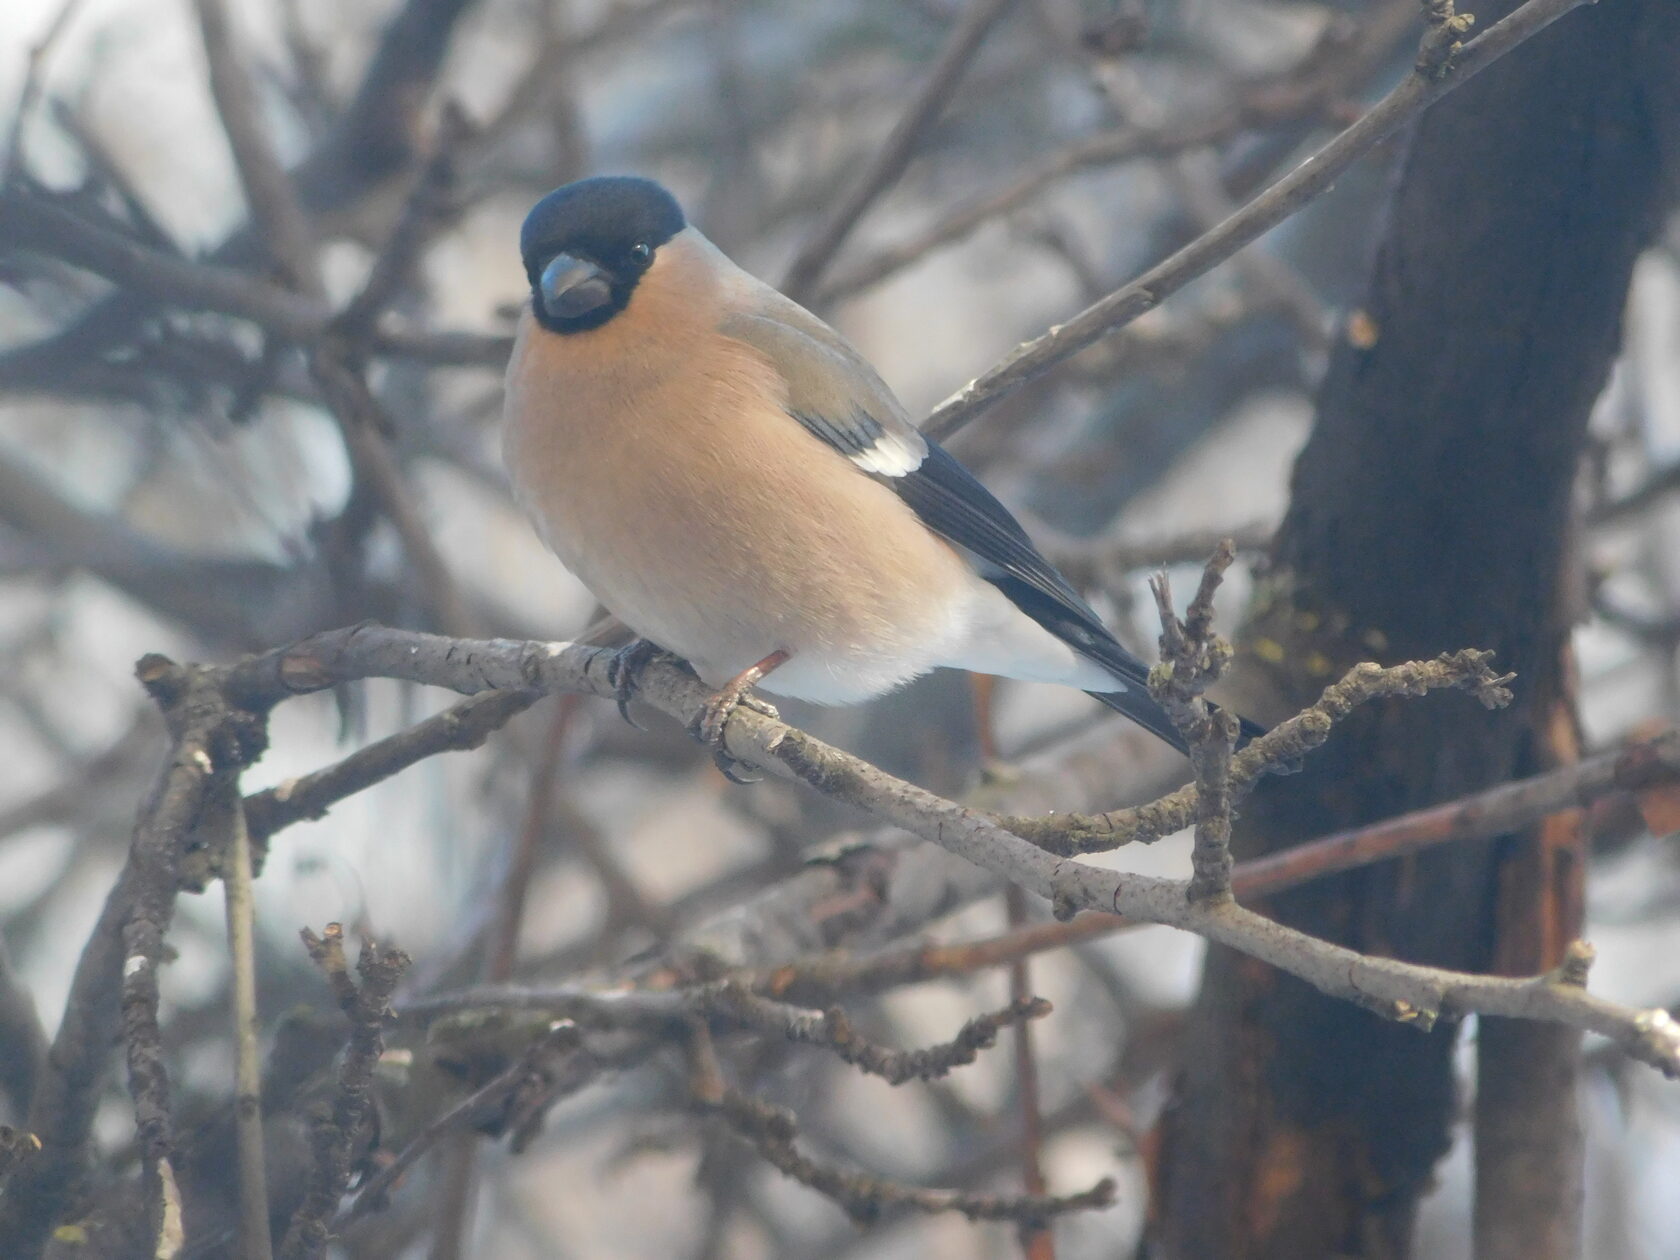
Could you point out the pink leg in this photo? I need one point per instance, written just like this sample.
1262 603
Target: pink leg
715 715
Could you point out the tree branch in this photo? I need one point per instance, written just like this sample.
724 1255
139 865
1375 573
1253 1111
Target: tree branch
336 1136
900 145
833 1030
1398 990
1411 97
772 1131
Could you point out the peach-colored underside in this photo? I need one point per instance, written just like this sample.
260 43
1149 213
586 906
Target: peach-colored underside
657 461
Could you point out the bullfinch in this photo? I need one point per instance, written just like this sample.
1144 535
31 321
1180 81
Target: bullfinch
730 477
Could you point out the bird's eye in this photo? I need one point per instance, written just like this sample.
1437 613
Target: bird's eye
641 252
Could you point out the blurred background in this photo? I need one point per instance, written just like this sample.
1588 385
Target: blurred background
172 480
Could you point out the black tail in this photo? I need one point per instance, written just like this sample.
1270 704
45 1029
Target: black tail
1054 605
1138 705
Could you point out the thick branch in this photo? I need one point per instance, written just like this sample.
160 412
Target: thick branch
35 223
1399 990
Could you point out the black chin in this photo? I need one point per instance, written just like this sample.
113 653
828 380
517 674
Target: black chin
580 301
570 316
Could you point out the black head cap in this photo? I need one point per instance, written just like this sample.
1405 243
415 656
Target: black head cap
586 245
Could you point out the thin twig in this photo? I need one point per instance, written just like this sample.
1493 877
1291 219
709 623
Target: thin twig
67 1092
363 423
1411 97
1037 1242
34 75
432 202
895 154
269 192
772 1133
1302 92
1285 743
483 1104
38 223
1193 176
458 1162
833 1030
255 1242
1192 659
459 728
1105 563
336 1136
214 741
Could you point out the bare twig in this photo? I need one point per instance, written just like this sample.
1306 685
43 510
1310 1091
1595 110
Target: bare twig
772 1132
363 423
461 727
522 859
214 741
1194 179
269 194
1413 95
484 1104
336 1137
1105 564
34 75
33 222
1037 1242
255 1242
1308 89
459 1157
894 155
1193 658
1497 811
431 204
67 1092
1286 742
832 1030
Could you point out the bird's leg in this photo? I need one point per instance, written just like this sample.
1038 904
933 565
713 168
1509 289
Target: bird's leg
718 707
624 672
984 688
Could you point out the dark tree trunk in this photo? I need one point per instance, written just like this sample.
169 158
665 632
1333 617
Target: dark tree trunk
1430 511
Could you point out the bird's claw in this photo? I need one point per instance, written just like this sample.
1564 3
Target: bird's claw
715 715
624 673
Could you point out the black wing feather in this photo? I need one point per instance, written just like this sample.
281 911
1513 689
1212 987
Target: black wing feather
834 393
954 505
960 510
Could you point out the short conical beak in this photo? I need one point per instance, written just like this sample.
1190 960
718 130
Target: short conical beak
571 287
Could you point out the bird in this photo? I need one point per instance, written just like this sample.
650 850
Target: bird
731 478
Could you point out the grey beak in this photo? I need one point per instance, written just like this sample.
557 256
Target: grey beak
571 287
